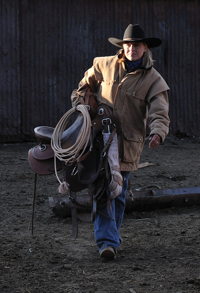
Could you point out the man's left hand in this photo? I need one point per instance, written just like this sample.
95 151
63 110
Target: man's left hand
154 141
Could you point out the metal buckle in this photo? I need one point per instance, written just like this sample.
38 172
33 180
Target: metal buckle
106 122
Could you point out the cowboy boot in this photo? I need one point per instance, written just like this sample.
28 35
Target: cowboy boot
116 182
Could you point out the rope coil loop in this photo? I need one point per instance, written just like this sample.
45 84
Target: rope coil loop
74 152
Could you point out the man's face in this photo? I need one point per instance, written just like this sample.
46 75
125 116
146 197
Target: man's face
134 50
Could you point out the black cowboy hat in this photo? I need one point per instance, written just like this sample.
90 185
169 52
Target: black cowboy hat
134 33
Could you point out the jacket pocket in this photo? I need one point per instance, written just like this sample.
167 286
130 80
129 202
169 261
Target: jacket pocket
132 147
135 95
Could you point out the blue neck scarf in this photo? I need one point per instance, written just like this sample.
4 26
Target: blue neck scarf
132 65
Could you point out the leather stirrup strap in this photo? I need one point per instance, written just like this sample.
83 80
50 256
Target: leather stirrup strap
102 155
87 97
82 158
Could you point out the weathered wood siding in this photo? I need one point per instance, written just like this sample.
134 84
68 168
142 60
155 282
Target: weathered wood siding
47 45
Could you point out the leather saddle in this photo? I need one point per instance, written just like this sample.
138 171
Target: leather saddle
91 171
85 171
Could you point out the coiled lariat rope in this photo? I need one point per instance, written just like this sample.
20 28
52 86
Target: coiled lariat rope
73 153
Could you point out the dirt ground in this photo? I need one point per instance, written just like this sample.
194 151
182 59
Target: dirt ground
160 250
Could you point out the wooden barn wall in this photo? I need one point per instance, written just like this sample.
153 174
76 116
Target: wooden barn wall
47 45
10 96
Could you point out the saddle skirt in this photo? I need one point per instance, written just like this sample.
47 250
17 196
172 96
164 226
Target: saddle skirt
41 159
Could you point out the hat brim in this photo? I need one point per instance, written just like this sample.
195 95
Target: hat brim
151 42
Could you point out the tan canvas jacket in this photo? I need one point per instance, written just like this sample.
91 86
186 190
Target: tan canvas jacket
134 97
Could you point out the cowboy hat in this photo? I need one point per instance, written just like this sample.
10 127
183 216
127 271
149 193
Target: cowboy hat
134 33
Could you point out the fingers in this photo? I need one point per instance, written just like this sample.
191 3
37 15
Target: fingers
154 141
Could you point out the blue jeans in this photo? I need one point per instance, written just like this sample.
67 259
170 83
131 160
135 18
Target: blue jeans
106 228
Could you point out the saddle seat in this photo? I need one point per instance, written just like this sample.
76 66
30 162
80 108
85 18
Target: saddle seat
69 136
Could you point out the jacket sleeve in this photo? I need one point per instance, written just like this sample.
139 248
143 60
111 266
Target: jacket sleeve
78 95
92 79
93 76
158 115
